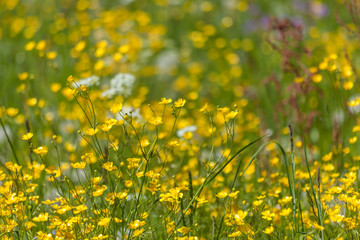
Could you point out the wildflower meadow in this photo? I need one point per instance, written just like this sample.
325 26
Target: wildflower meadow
179 119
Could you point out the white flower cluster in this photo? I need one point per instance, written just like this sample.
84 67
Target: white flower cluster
122 84
88 82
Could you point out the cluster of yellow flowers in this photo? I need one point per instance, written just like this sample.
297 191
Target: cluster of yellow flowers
137 122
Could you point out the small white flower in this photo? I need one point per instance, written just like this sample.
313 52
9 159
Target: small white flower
88 82
122 84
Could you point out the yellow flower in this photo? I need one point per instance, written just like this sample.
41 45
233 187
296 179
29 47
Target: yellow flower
109 166
234 194
155 121
42 217
353 140
80 208
122 195
179 103
96 180
133 163
29 225
204 108
144 143
267 215
12 112
128 183
104 222
223 110
13 166
173 143
116 108
347 85
42 150
27 136
51 55
23 76
346 71
285 212
91 131
317 226
184 230
165 101
231 115
138 232
144 215
70 78
135 224
79 165
327 157
316 78
188 135
99 190
221 194
269 230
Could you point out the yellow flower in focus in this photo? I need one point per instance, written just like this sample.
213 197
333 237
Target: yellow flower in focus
179 103
109 166
27 136
42 150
